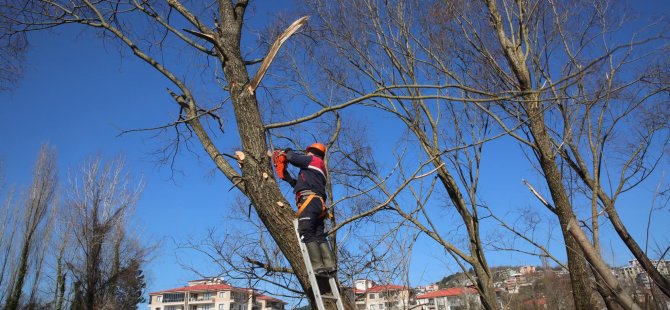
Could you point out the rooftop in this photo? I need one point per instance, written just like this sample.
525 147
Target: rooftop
454 291
268 298
194 286
199 287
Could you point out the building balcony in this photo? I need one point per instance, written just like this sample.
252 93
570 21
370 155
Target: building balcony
201 300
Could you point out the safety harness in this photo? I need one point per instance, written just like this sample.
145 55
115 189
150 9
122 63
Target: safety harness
311 195
281 168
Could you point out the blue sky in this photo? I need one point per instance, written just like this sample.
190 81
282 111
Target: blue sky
78 95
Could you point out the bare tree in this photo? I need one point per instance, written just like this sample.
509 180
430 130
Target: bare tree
411 59
526 70
105 263
217 37
60 283
378 58
32 229
13 47
507 52
9 214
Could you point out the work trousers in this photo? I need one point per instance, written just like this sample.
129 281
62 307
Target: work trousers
311 226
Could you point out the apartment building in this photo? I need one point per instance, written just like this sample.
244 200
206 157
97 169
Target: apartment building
461 298
634 272
370 296
212 294
269 303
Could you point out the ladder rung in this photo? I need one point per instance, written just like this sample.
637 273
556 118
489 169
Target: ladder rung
334 294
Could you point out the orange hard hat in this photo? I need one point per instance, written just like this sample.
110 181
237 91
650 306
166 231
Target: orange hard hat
317 148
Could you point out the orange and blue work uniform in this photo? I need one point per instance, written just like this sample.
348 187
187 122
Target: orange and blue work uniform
310 188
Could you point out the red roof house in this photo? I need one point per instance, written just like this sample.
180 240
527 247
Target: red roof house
450 298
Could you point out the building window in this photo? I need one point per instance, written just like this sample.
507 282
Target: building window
222 307
207 296
222 294
159 298
373 307
171 308
206 307
371 296
173 297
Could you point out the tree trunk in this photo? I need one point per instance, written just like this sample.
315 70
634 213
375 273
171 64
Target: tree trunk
257 180
577 244
17 287
661 282
60 285
487 293
477 259
574 236
37 204
593 183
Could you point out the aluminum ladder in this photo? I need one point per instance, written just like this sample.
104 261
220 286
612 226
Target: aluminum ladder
318 297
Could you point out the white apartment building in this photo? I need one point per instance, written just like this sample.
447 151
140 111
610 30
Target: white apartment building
461 298
212 294
370 296
635 273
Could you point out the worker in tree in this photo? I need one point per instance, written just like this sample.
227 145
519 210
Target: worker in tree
310 192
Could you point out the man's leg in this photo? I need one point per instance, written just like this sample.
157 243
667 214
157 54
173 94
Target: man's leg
308 223
329 263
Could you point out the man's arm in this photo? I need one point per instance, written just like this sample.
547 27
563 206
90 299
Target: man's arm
301 161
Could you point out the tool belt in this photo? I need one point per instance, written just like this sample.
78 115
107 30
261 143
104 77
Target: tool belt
311 195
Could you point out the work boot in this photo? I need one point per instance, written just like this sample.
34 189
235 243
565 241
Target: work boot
329 264
314 252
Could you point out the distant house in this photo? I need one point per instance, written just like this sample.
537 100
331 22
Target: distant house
369 296
526 270
515 281
269 303
212 294
455 298
427 288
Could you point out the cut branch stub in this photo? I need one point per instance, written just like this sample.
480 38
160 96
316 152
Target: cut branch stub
240 157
